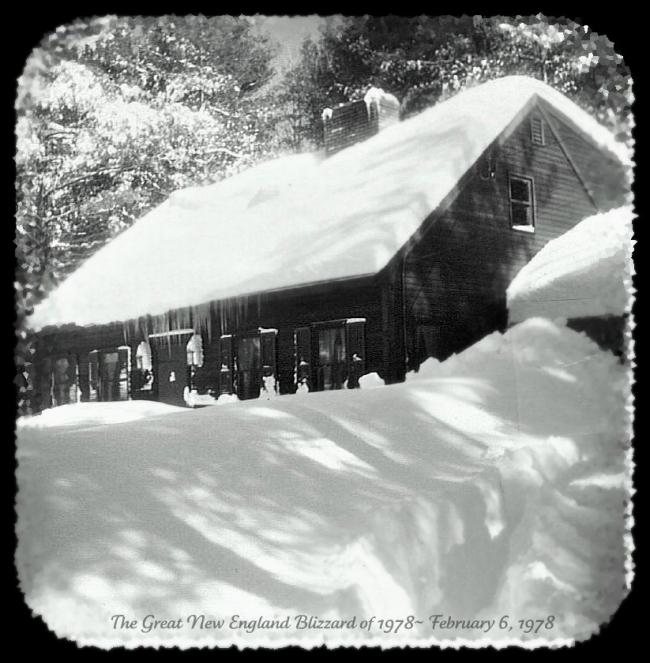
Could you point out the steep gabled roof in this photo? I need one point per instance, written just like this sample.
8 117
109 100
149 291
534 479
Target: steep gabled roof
300 219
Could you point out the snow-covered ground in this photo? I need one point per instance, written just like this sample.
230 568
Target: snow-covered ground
492 484
587 271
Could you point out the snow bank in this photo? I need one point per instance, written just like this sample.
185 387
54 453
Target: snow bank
193 399
354 211
529 362
494 485
77 414
587 271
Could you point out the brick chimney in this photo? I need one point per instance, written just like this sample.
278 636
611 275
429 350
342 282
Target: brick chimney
354 121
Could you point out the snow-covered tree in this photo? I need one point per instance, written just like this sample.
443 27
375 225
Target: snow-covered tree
115 114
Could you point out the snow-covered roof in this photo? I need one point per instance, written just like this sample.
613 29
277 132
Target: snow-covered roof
299 219
587 271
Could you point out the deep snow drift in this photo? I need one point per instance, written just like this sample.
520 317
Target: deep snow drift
584 272
493 484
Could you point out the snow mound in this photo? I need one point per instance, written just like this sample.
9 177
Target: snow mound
371 381
492 484
226 399
96 413
584 272
428 368
193 399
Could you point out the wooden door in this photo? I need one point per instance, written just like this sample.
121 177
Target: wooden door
171 372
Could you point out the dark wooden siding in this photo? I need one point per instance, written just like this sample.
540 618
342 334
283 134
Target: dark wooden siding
393 331
456 276
288 310
80 341
284 311
605 177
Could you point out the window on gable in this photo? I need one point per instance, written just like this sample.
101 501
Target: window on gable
522 203
537 131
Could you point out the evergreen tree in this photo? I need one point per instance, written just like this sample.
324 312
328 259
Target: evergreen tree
424 59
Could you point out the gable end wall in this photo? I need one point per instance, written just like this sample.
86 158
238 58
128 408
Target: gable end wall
456 275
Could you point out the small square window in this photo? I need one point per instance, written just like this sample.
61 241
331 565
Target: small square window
522 204
537 131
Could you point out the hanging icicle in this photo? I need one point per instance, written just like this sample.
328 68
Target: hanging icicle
232 312
201 319
129 330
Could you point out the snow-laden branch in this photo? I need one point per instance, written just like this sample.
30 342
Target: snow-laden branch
221 111
225 150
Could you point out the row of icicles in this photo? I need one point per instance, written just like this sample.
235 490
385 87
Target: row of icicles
229 312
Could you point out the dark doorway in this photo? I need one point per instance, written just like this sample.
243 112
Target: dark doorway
108 373
254 362
109 385
64 380
249 366
171 372
331 369
330 355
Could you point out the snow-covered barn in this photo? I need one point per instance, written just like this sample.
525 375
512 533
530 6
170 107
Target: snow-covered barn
309 271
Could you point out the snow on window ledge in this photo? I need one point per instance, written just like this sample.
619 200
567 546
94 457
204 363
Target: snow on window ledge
526 228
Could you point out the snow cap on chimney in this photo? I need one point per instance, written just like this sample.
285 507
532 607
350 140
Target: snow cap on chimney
355 121
383 108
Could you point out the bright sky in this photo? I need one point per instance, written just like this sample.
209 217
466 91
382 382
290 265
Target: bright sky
289 32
